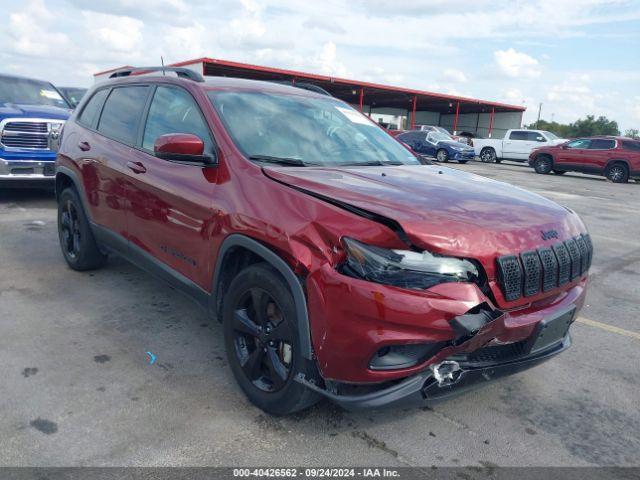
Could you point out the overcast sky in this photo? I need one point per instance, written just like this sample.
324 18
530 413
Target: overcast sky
577 57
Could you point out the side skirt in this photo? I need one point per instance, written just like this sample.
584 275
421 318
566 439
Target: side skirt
119 245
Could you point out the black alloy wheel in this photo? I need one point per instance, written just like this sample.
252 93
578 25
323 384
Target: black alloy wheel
488 155
78 245
71 236
617 173
263 341
543 165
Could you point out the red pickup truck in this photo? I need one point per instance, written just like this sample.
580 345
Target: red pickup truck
617 158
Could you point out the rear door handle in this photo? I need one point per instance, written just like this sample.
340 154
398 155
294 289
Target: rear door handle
84 146
136 167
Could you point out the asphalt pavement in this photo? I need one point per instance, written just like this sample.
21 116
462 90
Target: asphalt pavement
79 389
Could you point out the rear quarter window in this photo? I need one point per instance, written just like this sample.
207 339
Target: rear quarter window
89 115
629 145
122 112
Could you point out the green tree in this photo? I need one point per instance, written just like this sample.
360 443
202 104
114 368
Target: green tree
583 127
632 133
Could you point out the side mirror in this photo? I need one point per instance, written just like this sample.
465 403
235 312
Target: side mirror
182 147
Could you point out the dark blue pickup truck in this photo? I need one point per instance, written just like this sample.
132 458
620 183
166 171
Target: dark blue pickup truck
32 113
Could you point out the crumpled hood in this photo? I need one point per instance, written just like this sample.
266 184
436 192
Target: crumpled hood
33 111
445 210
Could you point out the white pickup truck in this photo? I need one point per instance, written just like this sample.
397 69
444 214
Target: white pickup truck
516 145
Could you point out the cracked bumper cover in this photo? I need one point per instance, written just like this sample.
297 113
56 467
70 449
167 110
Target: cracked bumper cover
423 389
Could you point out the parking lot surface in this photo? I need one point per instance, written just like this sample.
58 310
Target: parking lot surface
79 388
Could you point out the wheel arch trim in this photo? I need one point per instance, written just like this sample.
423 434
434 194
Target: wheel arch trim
66 171
611 161
302 316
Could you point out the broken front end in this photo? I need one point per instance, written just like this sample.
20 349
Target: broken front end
394 327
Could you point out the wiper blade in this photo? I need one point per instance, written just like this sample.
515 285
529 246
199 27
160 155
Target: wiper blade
371 163
279 160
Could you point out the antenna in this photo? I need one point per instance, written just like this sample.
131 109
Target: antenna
162 62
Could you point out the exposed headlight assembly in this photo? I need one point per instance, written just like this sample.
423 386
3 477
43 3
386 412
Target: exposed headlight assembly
405 268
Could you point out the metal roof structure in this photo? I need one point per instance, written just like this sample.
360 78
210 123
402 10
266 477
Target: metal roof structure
352 91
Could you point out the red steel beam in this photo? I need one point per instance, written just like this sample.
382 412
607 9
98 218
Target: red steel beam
455 121
493 110
413 112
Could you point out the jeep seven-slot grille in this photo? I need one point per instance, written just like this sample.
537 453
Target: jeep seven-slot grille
544 269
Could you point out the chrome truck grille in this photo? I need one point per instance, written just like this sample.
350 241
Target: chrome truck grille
30 134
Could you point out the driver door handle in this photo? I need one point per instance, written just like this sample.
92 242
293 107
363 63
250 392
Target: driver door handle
136 167
84 146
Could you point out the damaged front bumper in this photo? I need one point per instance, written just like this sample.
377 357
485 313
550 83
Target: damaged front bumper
426 388
472 363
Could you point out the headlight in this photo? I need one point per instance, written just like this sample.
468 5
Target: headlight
458 149
405 268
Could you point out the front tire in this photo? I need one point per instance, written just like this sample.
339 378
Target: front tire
488 155
442 155
79 247
262 342
617 173
543 165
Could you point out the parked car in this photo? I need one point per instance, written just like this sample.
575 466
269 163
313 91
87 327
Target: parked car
466 137
338 265
72 95
616 158
516 145
32 113
435 144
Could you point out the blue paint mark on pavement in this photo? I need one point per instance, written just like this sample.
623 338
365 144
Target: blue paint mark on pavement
152 358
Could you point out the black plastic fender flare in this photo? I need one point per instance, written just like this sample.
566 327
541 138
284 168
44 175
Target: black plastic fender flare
302 316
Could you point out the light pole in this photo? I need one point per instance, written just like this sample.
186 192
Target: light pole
539 110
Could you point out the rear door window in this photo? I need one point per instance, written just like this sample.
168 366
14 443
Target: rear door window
91 110
122 113
173 110
518 135
602 144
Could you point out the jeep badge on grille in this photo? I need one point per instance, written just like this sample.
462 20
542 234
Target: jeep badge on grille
549 234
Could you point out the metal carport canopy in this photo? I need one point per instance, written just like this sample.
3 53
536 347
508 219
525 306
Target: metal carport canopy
351 91
355 92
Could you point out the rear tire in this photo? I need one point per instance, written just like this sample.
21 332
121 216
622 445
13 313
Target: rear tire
488 155
617 173
79 247
262 342
442 155
543 165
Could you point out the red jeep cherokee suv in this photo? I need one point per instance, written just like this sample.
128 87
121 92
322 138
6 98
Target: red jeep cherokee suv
338 265
617 158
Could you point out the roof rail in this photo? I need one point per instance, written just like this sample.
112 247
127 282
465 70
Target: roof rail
305 86
179 71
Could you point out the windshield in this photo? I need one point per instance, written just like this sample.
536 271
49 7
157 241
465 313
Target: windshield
550 135
444 132
30 92
435 137
74 95
309 130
